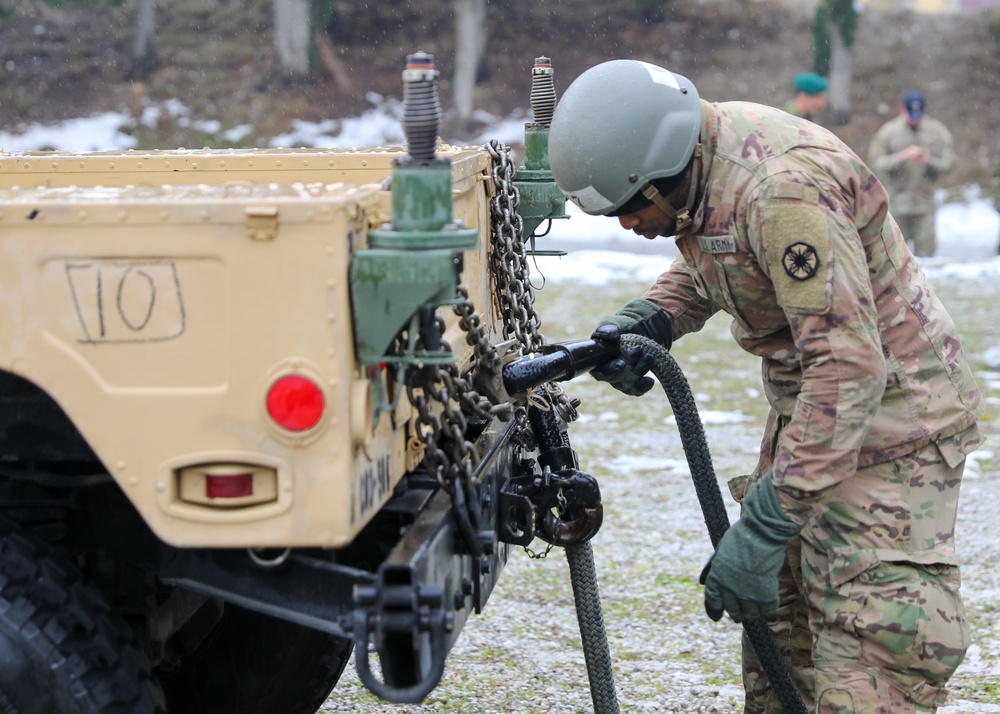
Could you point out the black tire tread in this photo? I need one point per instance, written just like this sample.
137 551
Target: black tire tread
69 625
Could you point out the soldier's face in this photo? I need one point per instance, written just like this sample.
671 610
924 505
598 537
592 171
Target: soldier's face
649 223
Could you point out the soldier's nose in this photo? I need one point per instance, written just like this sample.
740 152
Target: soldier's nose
628 221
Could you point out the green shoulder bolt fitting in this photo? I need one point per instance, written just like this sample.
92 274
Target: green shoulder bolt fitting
416 260
541 199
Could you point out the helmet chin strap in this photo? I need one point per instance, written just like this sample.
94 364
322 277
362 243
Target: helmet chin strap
682 219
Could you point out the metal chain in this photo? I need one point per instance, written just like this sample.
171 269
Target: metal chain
441 429
508 257
509 261
447 453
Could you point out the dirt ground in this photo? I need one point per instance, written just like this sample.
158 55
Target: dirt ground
216 56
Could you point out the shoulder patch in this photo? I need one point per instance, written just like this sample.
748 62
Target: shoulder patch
797 240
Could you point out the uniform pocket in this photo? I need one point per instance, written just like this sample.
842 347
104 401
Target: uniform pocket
912 619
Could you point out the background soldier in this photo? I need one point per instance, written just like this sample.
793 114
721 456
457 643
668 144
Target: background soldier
911 153
847 528
810 96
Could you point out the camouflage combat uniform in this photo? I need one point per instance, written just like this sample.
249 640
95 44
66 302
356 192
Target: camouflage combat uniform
873 405
911 186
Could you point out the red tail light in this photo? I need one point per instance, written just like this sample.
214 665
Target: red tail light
295 403
229 485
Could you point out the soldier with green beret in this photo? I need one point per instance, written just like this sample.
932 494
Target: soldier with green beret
846 541
809 100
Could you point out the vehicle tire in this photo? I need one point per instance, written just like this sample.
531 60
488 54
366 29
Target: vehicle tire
256 664
62 649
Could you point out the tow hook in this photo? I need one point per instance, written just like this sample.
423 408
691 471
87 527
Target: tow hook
408 623
562 508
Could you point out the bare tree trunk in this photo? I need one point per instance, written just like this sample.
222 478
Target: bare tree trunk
470 43
841 73
291 38
144 59
334 66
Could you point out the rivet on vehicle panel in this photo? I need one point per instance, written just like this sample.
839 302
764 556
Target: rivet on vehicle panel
55 164
122 215
138 164
204 215
194 166
111 165
82 215
160 487
222 164
249 162
133 481
331 316
330 163
82 164
120 465
364 163
278 162
26 165
166 164
305 162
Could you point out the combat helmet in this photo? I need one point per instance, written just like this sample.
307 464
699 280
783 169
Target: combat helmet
619 126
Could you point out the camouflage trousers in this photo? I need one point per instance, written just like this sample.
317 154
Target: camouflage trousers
871 620
921 232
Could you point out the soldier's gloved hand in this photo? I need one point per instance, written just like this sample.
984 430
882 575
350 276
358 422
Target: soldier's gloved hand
742 577
627 371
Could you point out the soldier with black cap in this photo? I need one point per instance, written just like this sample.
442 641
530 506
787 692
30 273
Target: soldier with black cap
911 153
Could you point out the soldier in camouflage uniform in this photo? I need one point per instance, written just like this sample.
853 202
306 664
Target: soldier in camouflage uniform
911 153
847 533
810 96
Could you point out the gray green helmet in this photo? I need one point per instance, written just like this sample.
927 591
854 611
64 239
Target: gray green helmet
618 126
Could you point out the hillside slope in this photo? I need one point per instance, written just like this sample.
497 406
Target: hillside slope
216 57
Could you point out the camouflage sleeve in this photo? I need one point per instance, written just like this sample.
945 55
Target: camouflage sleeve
942 153
879 158
817 264
675 293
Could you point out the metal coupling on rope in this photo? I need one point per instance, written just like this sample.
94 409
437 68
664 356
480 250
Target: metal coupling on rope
557 363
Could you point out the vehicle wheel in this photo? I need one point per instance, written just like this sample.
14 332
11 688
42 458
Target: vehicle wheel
62 649
256 664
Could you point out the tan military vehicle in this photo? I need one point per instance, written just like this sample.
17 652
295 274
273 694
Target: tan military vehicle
252 414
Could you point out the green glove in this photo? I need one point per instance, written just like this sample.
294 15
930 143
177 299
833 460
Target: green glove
637 317
742 577
627 371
